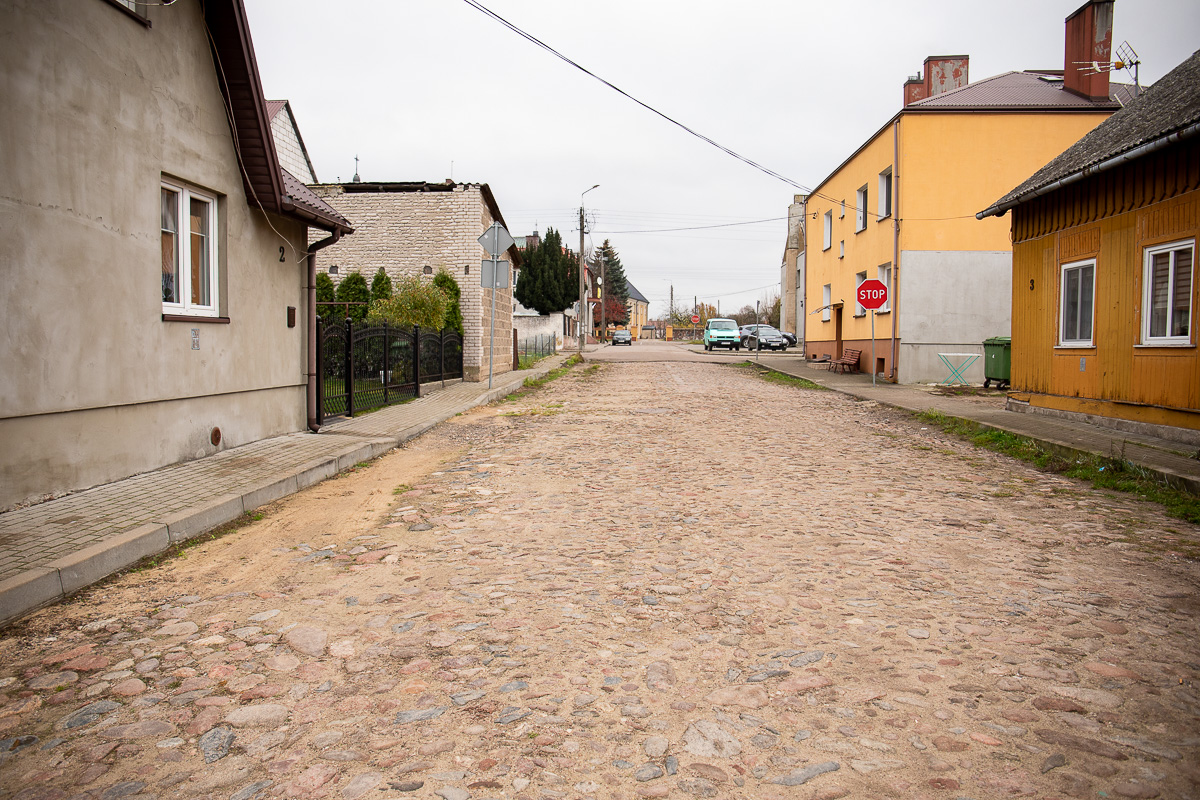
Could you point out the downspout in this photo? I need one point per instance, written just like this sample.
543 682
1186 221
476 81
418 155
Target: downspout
895 241
312 324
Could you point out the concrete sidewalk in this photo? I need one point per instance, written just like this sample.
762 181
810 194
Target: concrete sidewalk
51 549
1173 461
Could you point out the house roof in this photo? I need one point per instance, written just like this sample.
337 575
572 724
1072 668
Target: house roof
1164 113
1030 90
634 294
274 107
1009 92
299 200
250 118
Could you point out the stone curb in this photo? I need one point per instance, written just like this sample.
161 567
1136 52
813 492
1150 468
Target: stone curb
1186 483
42 586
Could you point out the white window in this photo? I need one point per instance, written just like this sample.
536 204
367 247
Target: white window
189 251
1077 301
1167 294
827 241
884 275
885 193
843 215
860 211
842 249
826 299
859 279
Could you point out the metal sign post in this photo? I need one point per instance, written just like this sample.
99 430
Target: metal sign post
494 275
872 294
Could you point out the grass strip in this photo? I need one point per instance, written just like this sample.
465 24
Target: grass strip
781 378
533 384
1113 472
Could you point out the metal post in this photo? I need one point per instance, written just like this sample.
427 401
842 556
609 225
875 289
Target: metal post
492 332
582 294
320 352
349 365
603 316
387 379
872 347
417 358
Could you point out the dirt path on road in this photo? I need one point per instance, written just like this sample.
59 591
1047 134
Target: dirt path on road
646 580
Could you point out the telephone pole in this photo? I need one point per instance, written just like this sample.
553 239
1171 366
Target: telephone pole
582 283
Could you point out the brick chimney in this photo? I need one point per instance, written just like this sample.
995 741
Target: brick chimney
1089 40
942 73
914 89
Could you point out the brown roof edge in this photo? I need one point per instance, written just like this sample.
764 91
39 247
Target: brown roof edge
241 87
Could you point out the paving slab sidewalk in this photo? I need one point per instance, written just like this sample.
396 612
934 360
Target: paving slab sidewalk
1171 460
51 549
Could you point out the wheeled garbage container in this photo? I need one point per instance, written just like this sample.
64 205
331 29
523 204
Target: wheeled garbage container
997 361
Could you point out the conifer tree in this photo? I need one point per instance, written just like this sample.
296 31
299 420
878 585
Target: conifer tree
354 290
381 286
326 294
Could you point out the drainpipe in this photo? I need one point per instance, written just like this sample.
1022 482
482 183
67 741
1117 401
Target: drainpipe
312 325
895 239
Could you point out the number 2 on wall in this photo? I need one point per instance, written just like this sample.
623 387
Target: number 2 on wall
281 258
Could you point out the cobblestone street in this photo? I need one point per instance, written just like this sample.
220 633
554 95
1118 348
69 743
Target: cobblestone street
643 580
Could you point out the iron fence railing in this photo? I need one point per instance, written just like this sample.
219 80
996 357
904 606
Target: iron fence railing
538 346
363 367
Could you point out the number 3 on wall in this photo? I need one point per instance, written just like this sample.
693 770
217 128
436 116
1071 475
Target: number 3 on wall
1030 280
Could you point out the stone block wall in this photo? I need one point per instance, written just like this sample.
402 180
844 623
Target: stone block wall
418 233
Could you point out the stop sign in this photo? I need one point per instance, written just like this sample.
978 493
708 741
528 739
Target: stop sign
872 294
695 319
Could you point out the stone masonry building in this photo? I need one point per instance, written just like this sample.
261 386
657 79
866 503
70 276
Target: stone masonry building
419 229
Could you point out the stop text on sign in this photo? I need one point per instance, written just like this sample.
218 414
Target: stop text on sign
872 294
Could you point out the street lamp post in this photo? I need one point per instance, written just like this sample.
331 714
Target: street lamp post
582 281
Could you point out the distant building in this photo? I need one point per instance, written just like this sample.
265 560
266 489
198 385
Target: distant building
639 309
901 208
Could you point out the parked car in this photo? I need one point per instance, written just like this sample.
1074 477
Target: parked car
764 337
622 337
722 333
791 338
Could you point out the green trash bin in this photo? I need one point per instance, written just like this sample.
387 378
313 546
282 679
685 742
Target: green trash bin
997 361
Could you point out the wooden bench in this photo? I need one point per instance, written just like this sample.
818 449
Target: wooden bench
849 360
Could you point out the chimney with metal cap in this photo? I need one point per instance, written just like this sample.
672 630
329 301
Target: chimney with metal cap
1089 50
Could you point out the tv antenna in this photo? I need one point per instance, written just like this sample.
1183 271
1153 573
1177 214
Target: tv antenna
1127 59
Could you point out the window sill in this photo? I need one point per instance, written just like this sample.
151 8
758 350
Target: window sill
1164 346
860 230
1080 346
883 311
129 12
885 216
856 316
185 318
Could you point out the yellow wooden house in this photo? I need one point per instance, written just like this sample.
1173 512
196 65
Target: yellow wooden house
901 209
1104 286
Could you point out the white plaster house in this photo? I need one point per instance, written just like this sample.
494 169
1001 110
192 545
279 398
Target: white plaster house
419 229
156 265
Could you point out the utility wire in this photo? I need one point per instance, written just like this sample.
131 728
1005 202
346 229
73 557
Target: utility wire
705 227
531 38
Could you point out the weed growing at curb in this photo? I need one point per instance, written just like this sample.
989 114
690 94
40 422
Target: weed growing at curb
1114 472
532 384
771 376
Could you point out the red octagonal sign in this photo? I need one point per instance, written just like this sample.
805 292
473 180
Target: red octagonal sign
872 294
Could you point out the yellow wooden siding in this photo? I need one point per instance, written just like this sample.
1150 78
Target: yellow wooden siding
1112 217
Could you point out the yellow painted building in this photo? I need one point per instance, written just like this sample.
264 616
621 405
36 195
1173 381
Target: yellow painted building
1104 276
901 209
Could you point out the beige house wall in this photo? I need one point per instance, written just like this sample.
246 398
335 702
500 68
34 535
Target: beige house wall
406 231
98 108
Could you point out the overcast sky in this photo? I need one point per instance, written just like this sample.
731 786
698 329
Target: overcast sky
424 90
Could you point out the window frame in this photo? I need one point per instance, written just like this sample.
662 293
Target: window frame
1148 254
883 273
1072 266
826 301
129 7
885 194
859 279
861 199
184 306
827 232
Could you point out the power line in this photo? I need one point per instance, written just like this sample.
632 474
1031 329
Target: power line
531 38
705 227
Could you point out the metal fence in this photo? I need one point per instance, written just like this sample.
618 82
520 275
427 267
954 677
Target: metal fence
363 367
539 346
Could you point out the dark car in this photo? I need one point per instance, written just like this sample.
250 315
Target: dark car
764 337
622 337
791 338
